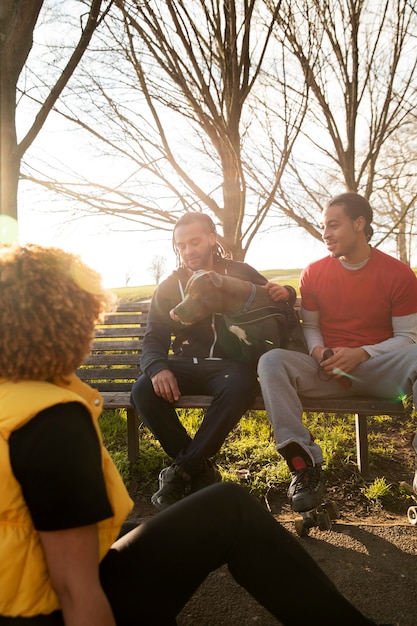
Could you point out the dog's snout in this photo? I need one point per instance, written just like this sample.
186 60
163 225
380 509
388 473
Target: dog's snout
174 316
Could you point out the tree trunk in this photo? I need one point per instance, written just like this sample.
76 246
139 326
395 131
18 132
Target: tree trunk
402 251
234 203
9 158
17 21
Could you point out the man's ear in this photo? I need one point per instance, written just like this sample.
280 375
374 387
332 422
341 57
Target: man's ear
360 223
215 278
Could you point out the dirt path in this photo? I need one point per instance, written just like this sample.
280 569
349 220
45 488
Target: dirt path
374 565
372 559
370 554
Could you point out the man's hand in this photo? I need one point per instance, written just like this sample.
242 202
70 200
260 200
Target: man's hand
278 292
165 386
343 361
317 353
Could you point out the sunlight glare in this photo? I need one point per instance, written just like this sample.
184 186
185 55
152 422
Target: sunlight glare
9 230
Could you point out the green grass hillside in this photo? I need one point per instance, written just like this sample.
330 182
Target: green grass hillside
143 292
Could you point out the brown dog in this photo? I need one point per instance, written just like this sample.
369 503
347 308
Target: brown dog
249 313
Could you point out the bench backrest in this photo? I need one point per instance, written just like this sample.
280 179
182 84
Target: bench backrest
113 364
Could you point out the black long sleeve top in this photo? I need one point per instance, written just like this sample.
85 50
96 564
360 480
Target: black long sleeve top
165 338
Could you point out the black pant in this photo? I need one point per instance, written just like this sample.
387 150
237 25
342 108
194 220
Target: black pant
151 572
233 386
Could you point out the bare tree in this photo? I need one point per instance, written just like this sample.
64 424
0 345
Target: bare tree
398 193
178 107
18 19
129 273
255 116
359 64
157 267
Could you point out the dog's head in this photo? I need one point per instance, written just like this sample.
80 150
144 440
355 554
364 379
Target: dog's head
203 296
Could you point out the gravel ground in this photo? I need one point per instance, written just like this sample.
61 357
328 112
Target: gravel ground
372 563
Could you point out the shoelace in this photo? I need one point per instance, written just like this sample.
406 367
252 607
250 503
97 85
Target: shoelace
306 479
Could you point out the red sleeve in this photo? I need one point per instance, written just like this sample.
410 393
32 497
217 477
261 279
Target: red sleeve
404 301
308 299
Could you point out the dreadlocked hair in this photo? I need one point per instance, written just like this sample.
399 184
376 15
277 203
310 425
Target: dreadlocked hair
220 251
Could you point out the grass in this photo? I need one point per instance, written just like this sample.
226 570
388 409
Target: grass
131 294
142 292
376 491
249 457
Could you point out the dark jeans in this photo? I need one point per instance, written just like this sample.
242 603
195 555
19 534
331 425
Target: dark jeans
151 573
233 386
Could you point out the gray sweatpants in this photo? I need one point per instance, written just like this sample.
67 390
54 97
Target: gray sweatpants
284 375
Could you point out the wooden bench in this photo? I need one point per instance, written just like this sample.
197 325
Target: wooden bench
113 366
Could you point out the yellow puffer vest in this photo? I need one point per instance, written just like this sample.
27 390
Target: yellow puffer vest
26 588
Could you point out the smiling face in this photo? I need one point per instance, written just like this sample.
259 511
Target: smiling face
195 246
344 237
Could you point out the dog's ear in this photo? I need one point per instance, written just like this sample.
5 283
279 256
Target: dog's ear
215 278
195 276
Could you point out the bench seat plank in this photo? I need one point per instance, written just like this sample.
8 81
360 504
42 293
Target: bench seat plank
124 374
351 406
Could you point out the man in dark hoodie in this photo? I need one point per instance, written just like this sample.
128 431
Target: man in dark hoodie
193 363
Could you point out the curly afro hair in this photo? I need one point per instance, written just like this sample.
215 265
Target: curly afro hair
49 304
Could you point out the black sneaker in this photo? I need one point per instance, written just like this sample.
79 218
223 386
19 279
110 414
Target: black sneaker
173 484
306 490
414 444
209 475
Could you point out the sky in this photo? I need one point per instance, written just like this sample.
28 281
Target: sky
114 248
123 254
127 253
118 254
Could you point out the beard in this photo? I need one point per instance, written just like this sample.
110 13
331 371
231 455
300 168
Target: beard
200 262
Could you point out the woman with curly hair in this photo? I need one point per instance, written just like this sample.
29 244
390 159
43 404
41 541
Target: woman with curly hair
66 556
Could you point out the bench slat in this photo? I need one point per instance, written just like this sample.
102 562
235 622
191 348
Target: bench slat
122 344
115 358
136 306
116 331
363 406
126 318
113 387
109 373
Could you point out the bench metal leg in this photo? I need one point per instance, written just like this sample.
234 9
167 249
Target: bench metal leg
132 435
362 445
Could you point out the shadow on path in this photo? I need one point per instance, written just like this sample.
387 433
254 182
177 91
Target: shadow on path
375 567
